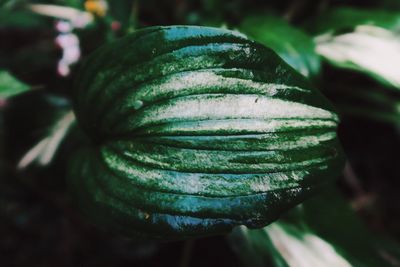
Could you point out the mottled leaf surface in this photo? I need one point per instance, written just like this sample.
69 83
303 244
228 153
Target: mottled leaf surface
196 130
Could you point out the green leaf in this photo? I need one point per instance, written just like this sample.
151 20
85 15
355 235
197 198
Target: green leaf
10 86
291 44
20 19
197 130
346 19
361 40
322 232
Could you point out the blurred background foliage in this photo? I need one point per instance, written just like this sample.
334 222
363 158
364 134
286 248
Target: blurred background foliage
350 50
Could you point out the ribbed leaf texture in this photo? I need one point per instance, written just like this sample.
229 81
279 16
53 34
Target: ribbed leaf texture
196 130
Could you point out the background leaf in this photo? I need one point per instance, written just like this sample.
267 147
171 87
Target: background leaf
322 231
363 40
20 19
10 86
347 18
291 44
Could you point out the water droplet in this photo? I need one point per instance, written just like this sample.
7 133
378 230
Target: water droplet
137 104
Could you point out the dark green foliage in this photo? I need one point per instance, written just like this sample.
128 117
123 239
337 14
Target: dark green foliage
290 43
345 19
314 233
9 86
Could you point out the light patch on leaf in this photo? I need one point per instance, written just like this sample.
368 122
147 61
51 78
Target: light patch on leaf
370 49
304 249
78 18
43 152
